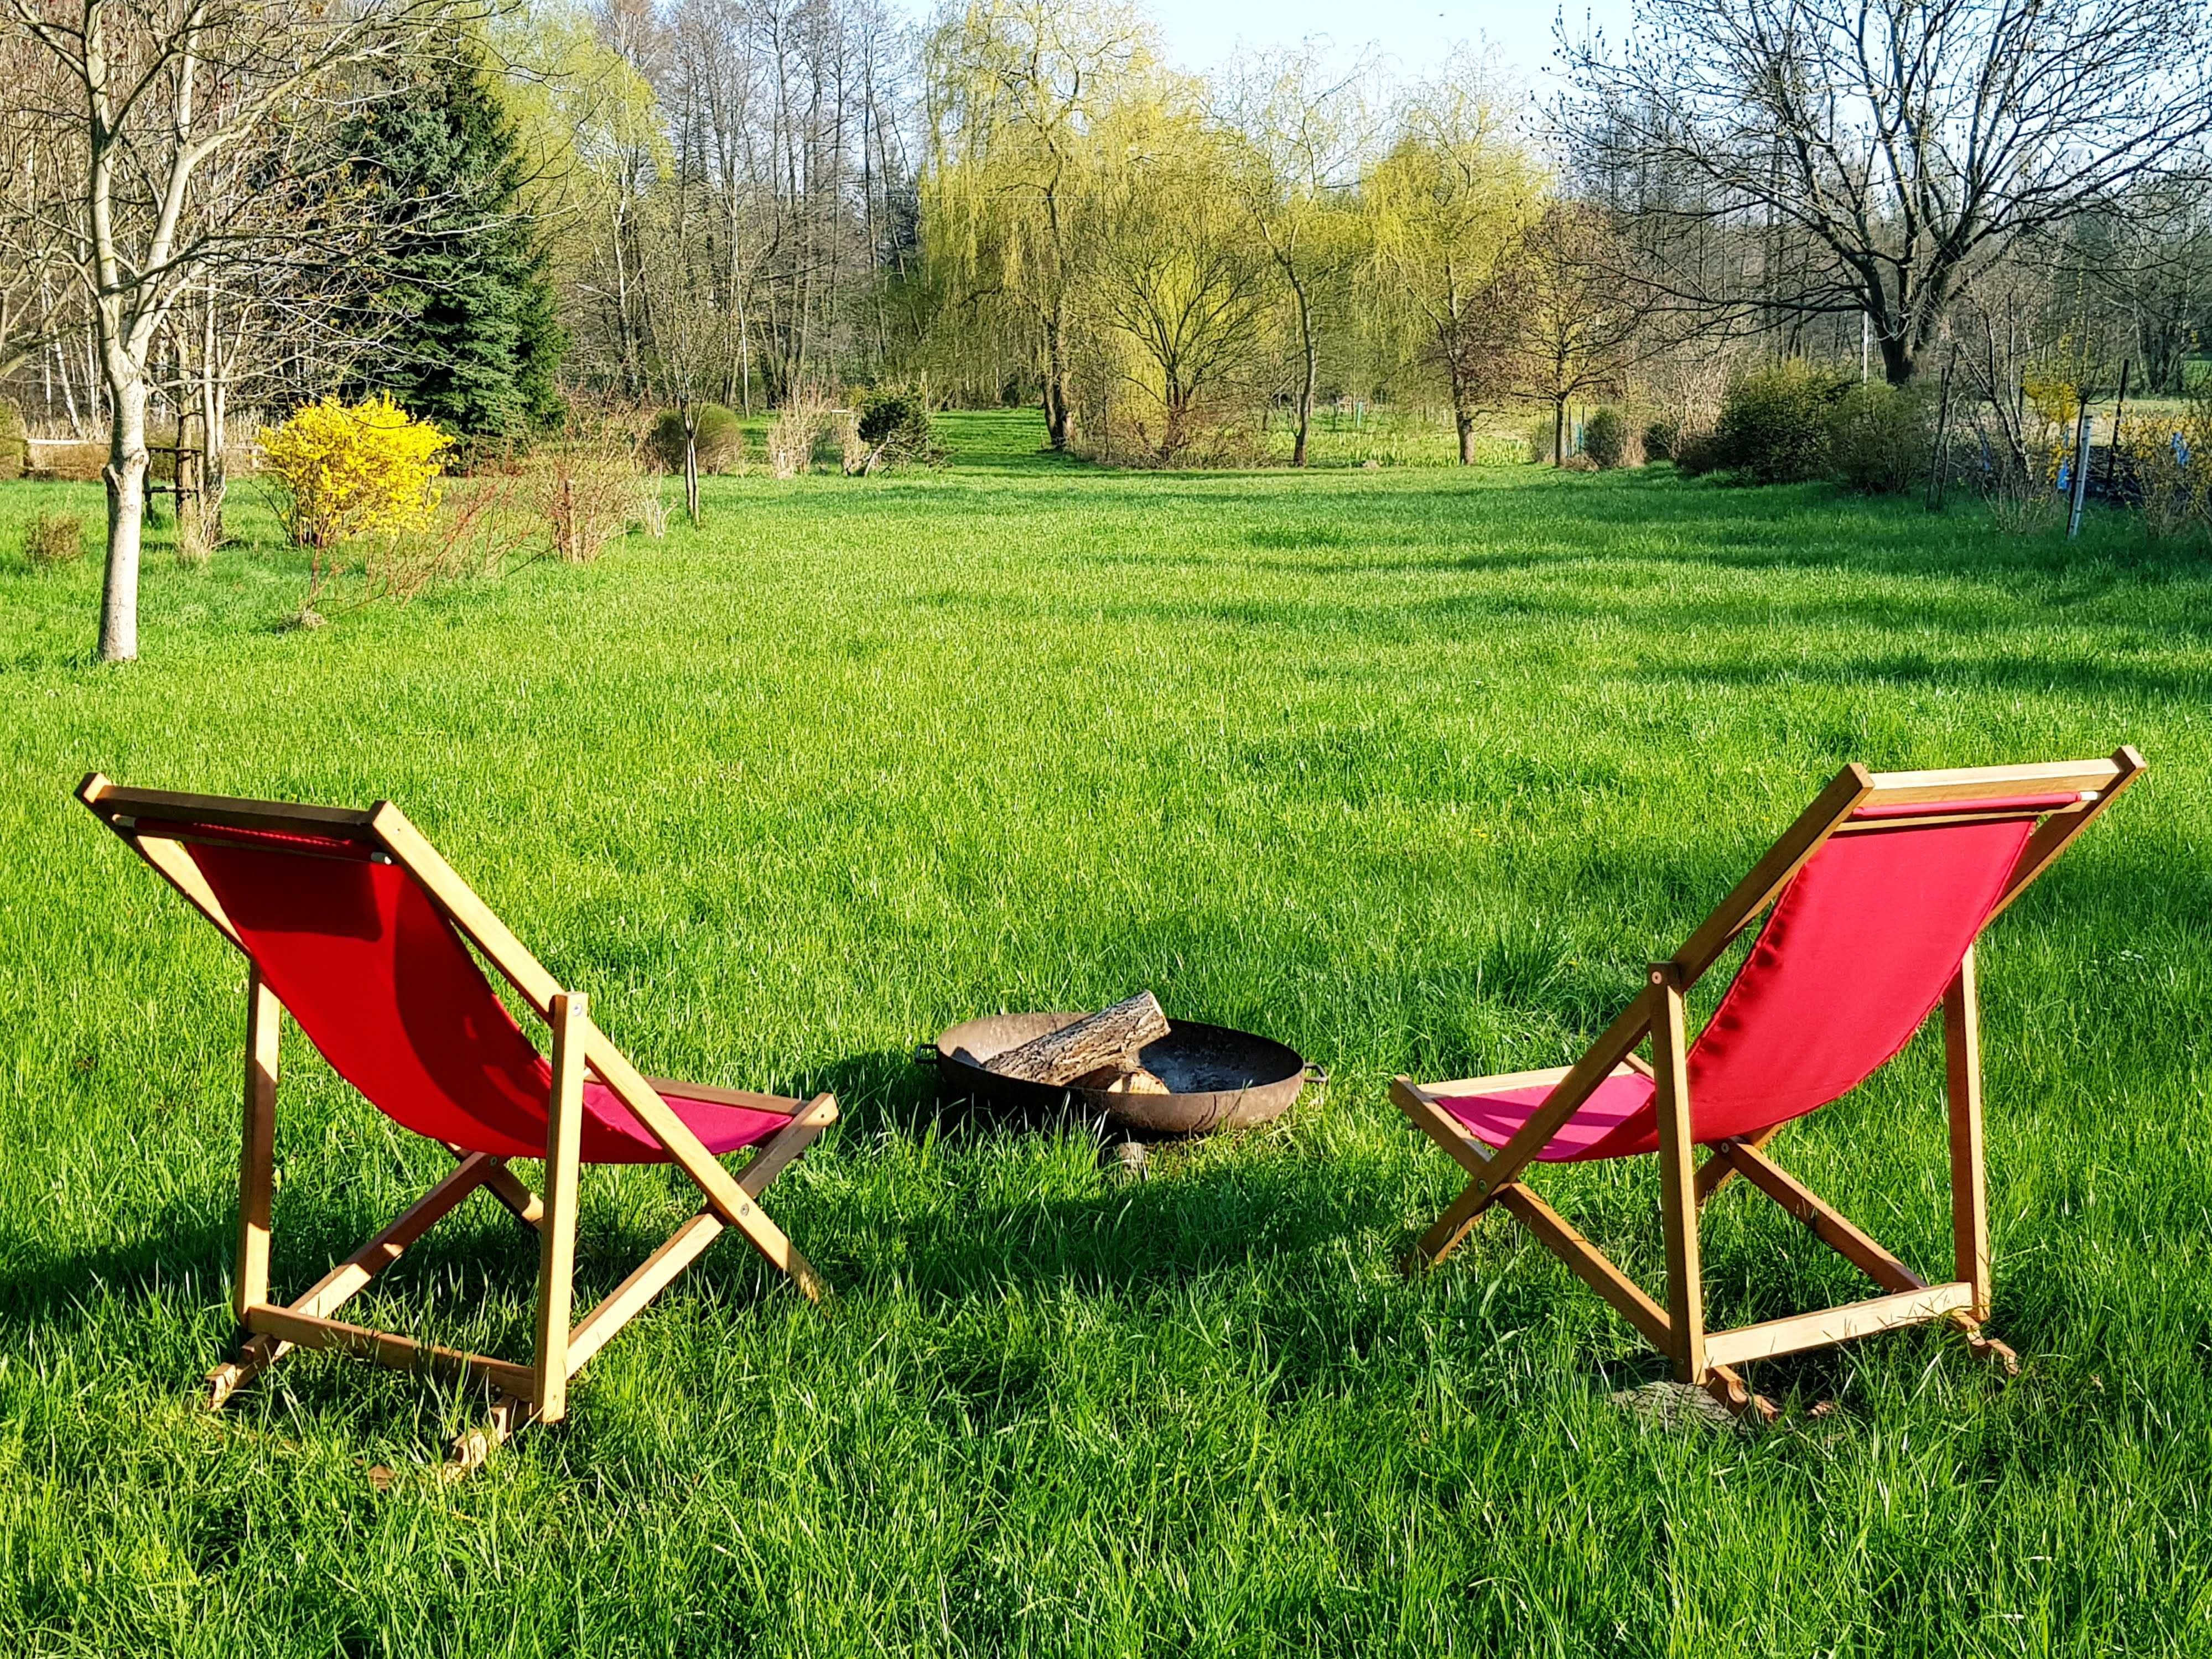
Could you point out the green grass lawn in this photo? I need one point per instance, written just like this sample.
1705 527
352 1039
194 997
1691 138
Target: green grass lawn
1412 769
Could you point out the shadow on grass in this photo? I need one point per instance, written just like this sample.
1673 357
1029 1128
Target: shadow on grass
2006 674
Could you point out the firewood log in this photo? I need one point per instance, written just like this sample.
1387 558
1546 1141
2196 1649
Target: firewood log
1110 1037
1118 1080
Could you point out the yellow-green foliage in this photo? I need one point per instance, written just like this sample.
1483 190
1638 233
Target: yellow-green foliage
2176 493
354 469
2053 397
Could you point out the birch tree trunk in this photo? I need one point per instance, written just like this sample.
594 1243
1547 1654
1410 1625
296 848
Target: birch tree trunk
126 474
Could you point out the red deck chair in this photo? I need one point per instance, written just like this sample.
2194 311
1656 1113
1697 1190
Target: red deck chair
1877 894
354 924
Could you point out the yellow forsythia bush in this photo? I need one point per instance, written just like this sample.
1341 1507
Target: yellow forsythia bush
355 469
2053 397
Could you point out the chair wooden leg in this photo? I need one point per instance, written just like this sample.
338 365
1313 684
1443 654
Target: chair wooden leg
1724 1384
538 1393
1970 1214
1454 1224
503 1184
805 1128
1718 1170
1678 1198
690 1241
1969 1203
1983 1346
344 1281
255 1355
557 1255
257 1164
1459 1218
257 1185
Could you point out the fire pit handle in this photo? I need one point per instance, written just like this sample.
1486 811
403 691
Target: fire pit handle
1317 1075
925 1053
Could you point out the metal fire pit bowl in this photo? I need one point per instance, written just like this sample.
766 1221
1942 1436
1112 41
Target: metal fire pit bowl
1220 1078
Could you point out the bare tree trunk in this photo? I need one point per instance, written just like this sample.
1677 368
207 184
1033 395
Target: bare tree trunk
127 461
69 389
1058 418
692 464
744 355
1558 431
1313 374
215 477
1464 420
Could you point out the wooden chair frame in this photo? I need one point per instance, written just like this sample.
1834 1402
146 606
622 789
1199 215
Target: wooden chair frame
1497 1175
536 1392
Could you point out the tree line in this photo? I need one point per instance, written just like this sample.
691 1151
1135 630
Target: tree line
487 207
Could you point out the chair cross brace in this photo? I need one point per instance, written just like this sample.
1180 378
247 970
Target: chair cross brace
1676 1326
521 1394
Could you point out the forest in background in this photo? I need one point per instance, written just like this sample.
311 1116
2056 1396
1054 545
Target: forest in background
502 211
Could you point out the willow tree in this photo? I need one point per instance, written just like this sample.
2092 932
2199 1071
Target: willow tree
1446 208
1178 295
1299 129
1015 88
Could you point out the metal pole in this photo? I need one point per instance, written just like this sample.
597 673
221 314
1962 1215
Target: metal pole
2080 472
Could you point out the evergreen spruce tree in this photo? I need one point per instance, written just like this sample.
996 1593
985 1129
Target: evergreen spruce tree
464 318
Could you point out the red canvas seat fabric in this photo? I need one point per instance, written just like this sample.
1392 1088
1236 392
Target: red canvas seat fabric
364 959
1853 957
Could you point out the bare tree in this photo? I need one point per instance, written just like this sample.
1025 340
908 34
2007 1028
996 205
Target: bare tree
1874 157
1574 316
690 336
154 94
1303 131
35 163
1445 209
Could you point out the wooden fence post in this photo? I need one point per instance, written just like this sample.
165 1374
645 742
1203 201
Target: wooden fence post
2119 408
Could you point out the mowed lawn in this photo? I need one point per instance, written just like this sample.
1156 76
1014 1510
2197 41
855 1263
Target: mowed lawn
1414 769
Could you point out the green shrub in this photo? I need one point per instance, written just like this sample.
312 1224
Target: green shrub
53 539
14 451
1880 440
720 440
1695 451
895 430
1774 427
1605 438
1660 437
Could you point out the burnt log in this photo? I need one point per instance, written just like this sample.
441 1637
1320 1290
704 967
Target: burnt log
1108 1039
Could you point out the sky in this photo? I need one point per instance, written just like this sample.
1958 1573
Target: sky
1416 33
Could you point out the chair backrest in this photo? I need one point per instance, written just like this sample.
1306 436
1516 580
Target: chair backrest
1877 894
1856 955
372 971
367 960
